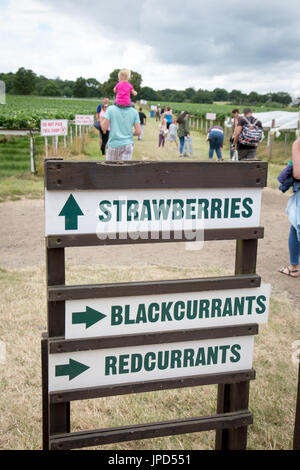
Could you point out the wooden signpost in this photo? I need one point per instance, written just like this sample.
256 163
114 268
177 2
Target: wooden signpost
114 339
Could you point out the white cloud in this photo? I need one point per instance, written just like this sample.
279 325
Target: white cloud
231 46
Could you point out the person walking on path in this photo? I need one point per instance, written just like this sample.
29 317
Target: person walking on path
104 134
248 134
236 115
121 121
215 137
163 131
105 102
168 116
293 211
183 131
143 119
172 134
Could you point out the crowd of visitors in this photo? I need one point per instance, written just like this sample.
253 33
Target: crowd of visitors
120 122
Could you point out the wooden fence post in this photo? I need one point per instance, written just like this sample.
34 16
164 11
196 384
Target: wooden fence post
234 397
32 160
271 140
59 413
296 443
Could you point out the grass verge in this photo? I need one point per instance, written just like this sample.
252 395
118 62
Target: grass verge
23 306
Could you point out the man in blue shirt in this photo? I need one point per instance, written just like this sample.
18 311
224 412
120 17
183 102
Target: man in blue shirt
121 121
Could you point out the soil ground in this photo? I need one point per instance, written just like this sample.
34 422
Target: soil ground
22 246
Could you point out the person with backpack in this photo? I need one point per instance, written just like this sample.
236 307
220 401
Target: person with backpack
248 134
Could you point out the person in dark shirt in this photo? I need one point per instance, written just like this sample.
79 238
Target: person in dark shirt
143 119
246 151
103 138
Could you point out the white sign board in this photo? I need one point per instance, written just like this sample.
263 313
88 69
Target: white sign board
84 119
211 116
53 127
166 312
129 211
85 369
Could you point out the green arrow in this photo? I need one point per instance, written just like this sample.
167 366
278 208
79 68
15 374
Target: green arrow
89 317
71 211
73 369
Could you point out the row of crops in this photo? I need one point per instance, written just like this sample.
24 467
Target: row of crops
26 112
221 110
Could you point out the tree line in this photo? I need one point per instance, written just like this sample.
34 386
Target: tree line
26 82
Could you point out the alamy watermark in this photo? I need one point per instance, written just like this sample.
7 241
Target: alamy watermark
155 220
2 93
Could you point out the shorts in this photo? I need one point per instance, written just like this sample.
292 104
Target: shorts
172 138
120 153
168 124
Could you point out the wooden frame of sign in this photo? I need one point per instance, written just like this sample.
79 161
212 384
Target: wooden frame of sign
232 417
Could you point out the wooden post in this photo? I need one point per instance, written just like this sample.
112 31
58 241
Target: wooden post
46 147
234 397
53 146
82 142
285 142
71 135
296 443
32 161
59 413
271 140
65 141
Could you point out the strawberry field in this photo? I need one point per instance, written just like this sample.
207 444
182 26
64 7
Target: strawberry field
26 112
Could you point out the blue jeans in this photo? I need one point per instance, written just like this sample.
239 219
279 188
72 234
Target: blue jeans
294 246
216 139
181 144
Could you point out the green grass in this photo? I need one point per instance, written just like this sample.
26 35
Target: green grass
23 304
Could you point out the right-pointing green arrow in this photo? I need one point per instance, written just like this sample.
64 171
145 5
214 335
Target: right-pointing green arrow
89 317
73 369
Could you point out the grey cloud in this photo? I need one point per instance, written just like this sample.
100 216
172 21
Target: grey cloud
217 37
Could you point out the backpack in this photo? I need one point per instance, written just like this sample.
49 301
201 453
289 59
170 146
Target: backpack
251 133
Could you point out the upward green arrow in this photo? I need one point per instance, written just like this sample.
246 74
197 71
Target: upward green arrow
71 211
89 317
73 369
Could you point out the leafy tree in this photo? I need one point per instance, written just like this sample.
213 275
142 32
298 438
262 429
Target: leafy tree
51 89
148 93
24 82
80 89
178 96
203 96
189 93
220 94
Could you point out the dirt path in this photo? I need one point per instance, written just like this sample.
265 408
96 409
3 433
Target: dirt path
22 245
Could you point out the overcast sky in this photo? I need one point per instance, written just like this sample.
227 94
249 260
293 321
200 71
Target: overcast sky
230 44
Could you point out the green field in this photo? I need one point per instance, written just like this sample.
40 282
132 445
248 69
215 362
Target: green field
22 112
222 110
26 111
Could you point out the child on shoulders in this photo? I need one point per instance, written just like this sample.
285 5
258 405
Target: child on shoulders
124 89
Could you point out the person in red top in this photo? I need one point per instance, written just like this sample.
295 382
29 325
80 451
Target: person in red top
124 89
